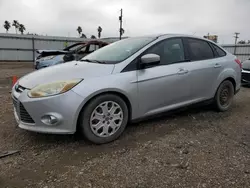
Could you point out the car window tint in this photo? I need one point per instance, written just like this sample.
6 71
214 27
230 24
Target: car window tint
82 50
199 50
170 51
219 51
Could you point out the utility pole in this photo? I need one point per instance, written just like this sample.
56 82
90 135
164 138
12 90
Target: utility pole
236 38
120 19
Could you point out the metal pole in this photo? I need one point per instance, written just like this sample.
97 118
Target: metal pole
33 49
120 18
235 42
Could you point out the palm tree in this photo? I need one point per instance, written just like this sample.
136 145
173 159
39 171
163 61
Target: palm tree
242 42
15 24
7 26
83 36
79 30
99 29
93 37
21 28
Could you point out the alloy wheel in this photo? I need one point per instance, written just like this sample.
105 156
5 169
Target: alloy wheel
106 119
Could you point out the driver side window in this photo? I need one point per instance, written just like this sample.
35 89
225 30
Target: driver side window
93 47
170 51
82 51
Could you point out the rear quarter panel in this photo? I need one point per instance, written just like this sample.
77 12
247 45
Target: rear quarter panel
230 70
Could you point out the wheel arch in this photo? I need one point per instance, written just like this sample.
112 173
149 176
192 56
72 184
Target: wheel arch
231 79
114 92
227 74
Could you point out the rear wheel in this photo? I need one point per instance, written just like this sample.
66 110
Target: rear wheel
224 96
104 119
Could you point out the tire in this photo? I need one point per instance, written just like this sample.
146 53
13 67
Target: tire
93 116
224 96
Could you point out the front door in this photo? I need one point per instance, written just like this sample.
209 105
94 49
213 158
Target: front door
164 86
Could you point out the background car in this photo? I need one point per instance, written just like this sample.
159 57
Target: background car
76 51
126 81
245 76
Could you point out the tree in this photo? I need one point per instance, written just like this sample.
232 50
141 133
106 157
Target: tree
83 36
93 37
99 29
7 26
242 42
79 30
21 28
15 24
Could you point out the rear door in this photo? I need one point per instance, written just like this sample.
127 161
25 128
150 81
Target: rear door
204 67
164 86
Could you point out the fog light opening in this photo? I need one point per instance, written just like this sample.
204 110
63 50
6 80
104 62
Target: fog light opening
49 120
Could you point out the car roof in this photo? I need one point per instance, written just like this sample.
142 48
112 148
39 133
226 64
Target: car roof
163 36
90 41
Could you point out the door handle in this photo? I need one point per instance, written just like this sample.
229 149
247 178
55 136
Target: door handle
217 65
182 71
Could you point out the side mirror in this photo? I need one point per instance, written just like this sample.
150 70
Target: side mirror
150 59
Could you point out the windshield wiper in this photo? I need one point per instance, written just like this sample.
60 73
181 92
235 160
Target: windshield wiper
93 61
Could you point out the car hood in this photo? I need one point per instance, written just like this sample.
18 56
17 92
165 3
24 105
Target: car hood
44 53
50 51
67 71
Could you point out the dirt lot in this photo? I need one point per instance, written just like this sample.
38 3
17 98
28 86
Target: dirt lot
192 148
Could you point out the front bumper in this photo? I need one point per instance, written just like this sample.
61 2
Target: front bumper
65 107
245 76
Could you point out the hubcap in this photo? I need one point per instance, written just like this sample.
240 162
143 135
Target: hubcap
225 96
106 119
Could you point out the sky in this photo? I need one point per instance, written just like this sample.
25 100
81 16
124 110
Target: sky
141 17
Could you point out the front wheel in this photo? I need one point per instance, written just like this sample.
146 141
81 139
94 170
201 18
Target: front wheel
104 118
224 96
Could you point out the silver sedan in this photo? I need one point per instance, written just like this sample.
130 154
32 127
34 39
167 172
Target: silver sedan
128 80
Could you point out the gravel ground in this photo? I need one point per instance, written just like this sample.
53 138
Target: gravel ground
197 148
7 70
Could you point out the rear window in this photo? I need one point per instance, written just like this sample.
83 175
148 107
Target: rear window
199 50
218 51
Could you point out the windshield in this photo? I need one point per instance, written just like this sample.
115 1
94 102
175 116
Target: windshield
118 51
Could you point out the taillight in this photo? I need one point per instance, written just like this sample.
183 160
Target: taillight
238 62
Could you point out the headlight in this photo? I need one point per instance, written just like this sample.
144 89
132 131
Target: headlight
47 58
54 88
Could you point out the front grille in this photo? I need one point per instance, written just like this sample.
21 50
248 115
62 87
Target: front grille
22 113
245 76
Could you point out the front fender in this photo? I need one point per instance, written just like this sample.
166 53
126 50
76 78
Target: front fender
96 93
